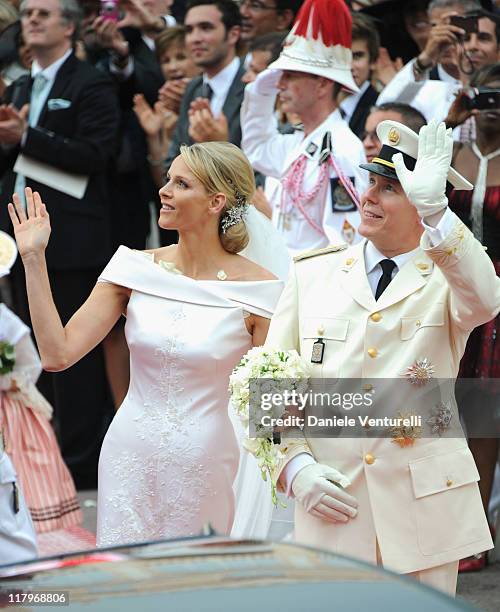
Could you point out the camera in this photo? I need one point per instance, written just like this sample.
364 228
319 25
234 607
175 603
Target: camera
482 98
110 10
468 22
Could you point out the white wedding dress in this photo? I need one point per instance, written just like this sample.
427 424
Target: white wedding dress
170 456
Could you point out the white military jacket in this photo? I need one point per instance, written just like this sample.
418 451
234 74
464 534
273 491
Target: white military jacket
273 153
420 503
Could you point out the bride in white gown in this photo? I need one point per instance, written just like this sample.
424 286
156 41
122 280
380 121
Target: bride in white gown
170 456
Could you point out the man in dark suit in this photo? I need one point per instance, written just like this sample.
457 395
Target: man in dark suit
365 47
133 63
210 108
65 116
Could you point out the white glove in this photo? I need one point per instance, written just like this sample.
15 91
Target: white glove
313 487
266 83
426 185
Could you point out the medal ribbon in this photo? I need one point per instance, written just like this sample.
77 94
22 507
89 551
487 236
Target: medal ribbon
292 187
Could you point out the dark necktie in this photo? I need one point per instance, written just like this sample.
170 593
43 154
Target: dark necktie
206 91
387 266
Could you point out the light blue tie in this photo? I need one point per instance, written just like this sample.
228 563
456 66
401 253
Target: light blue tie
37 100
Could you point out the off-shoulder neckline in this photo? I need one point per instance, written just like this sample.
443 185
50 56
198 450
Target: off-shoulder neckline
161 263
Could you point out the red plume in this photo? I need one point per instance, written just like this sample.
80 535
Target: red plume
330 17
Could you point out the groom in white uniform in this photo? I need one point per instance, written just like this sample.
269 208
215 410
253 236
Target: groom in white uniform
402 302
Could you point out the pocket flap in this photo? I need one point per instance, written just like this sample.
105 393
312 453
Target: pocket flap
442 472
410 325
325 327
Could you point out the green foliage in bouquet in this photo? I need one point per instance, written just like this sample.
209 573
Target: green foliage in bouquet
272 365
7 357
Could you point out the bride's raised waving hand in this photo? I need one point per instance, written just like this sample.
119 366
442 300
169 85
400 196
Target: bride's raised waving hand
60 346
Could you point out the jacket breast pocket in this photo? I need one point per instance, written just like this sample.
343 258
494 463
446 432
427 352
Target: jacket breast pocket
448 509
411 325
332 331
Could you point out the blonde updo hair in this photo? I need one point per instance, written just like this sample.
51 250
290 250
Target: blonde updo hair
221 167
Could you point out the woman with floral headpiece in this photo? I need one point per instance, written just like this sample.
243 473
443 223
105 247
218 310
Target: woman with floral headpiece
193 309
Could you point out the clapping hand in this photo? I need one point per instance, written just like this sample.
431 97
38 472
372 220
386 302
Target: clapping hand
154 120
31 227
13 123
425 187
203 126
171 93
151 119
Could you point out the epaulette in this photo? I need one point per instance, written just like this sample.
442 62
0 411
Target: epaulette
315 252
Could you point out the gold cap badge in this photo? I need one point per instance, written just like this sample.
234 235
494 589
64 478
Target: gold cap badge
394 136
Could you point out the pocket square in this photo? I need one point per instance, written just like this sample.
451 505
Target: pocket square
58 104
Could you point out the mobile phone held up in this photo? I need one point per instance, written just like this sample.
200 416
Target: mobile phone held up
110 10
468 23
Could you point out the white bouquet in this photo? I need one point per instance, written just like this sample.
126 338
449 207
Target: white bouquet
272 365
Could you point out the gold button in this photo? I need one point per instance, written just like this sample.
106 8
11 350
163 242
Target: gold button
418 323
422 266
449 482
349 262
372 352
321 330
369 459
367 387
376 316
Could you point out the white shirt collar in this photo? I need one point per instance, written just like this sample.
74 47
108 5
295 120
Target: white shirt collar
221 84
149 42
51 71
223 79
373 257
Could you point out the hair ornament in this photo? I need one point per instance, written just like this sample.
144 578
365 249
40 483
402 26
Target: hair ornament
236 214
